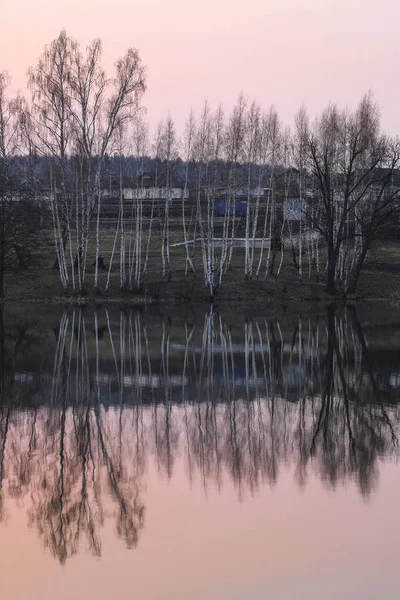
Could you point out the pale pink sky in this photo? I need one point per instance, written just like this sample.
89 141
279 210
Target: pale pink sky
282 52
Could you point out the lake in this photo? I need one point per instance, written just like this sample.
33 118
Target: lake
199 455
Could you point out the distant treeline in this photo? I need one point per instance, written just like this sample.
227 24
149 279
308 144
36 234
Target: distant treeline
30 177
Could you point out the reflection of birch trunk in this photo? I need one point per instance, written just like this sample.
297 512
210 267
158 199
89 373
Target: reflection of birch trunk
59 359
113 349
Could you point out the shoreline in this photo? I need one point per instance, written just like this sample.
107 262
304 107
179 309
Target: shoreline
375 285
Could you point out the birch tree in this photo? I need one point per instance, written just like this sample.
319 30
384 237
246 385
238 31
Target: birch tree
121 106
234 155
169 155
204 195
88 82
51 114
271 142
75 107
251 152
188 149
301 128
137 238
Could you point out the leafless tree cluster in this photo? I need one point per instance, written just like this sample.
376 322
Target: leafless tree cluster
353 168
250 189
75 110
19 219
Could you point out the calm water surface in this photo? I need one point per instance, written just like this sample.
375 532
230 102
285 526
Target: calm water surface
206 456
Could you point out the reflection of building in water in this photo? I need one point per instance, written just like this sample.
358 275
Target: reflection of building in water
284 376
394 380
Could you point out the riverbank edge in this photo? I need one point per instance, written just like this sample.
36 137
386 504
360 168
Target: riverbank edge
221 299
375 286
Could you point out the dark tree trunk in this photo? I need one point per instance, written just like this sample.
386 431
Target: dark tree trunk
272 265
294 257
331 286
355 274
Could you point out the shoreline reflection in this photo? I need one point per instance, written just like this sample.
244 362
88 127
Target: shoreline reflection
80 425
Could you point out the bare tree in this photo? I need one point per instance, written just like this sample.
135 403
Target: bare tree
76 108
188 149
88 82
19 217
168 156
52 117
352 165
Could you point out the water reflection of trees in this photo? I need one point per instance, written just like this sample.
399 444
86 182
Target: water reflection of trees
236 403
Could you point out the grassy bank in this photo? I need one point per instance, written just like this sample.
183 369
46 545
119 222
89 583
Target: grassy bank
41 284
